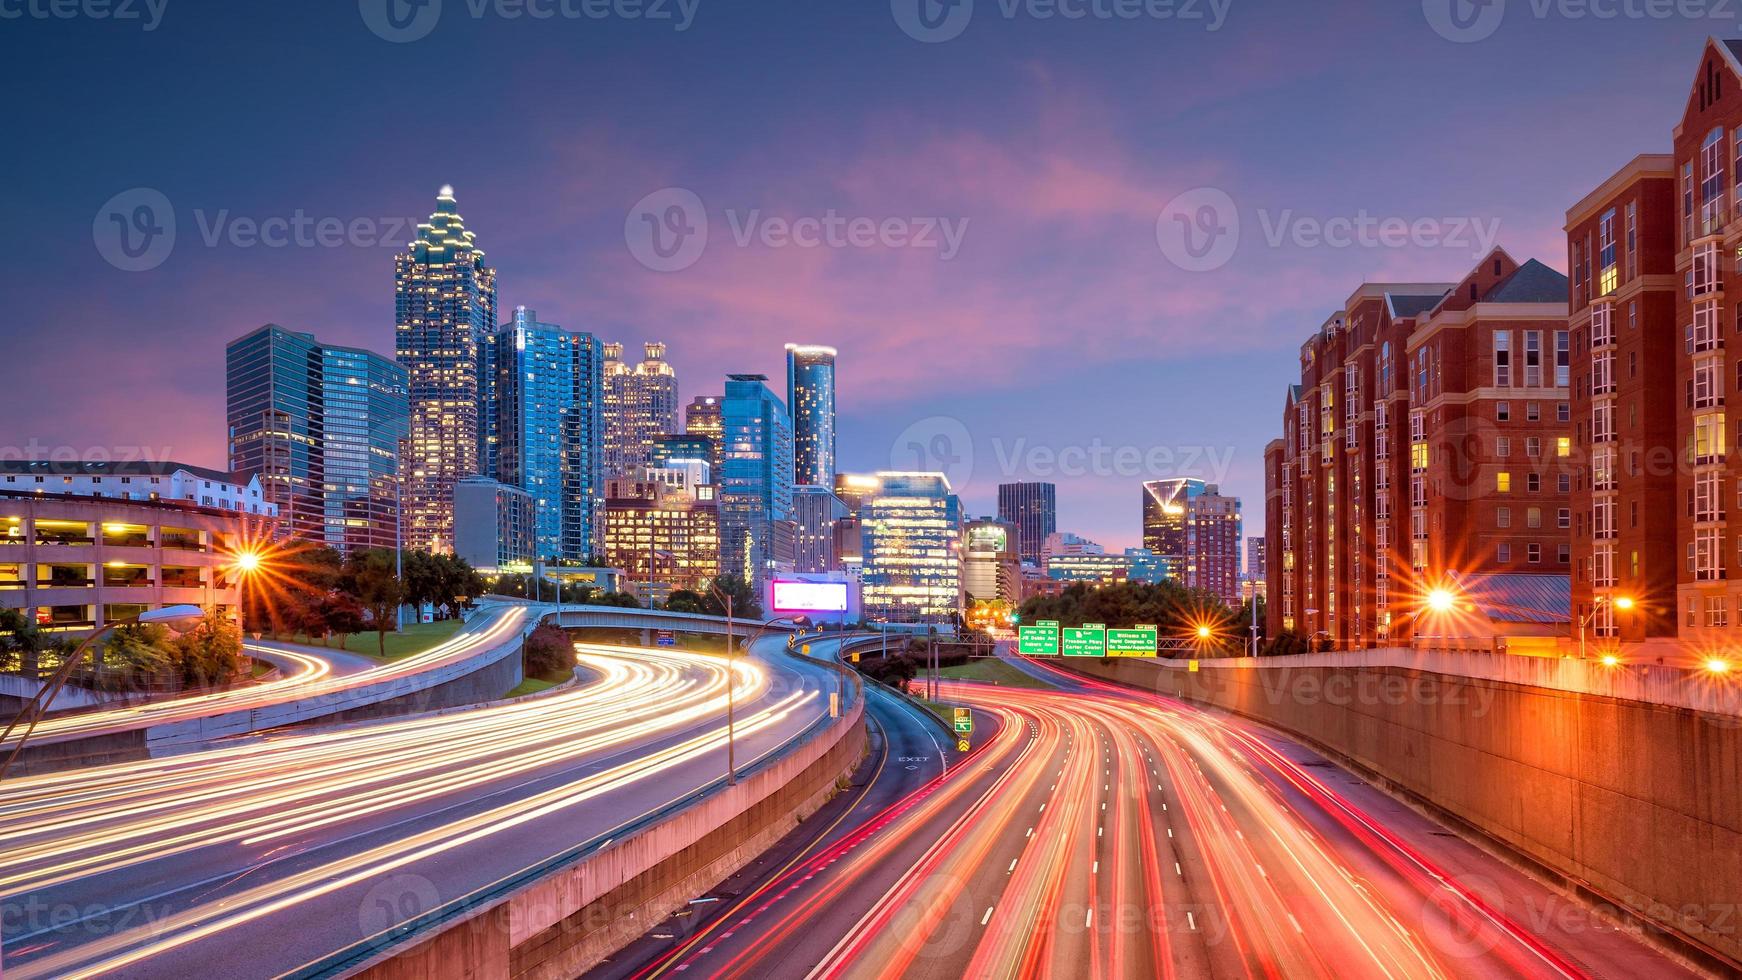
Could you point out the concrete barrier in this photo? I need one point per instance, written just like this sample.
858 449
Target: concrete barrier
562 918
1634 803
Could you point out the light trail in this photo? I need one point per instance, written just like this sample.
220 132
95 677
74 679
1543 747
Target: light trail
474 773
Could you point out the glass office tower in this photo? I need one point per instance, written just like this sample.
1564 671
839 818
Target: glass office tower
755 476
810 394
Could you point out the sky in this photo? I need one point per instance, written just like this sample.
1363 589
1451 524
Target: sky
1079 249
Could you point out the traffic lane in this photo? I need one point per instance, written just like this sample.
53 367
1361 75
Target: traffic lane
802 919
444 876
908 751
340 663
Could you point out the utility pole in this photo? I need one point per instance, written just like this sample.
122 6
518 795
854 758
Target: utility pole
731 707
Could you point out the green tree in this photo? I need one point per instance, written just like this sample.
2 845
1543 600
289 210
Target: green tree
22 643
130 656
745 604
369 577
622 600
685 601
342 615
210 653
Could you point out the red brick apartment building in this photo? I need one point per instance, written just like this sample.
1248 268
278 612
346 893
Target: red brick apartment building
1494 429
1429 440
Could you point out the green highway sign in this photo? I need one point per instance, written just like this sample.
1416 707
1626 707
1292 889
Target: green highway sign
1140 641
1086 641
1038 641
963 721
1051 624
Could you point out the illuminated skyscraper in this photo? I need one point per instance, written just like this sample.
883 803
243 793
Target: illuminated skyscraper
702 419
444 313
548 433
321 427
815 510
810 394
1033 509
1165 521
755 476
640 406
912 549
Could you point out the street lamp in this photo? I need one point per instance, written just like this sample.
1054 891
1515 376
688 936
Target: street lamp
1441 601
731 695
174 617
1620 602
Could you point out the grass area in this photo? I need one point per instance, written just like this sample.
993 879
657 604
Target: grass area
531 685
990 670
415 638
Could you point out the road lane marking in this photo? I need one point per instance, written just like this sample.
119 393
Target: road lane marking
987 917
1177 871
1012 866
1191 921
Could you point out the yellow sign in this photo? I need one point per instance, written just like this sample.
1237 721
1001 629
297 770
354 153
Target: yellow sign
807 649
855 658
1191 666
962 745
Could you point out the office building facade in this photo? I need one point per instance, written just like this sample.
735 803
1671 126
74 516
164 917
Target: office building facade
1032 508
640 406
496 525
444 314
810 396
321 427
549 429
912 556
815 512
755 479
1212 547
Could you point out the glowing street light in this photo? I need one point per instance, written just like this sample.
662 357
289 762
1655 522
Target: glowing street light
1718 665
1621 602
1610 660
1441 600
1204 632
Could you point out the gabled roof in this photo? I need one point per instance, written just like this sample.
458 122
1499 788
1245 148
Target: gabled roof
1531 282
26 467
1408 305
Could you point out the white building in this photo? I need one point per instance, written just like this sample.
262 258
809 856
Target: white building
138 480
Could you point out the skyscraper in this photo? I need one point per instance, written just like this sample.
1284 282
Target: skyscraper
755 476
444 313
810 394
548 441
364 427
1165 521
912 549
702 419
321 427
1033 509
640 406
815 510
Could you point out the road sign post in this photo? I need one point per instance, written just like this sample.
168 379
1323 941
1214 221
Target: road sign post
962 722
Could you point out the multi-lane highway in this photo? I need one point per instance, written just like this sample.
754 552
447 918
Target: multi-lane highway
308 677
1102 832
320 839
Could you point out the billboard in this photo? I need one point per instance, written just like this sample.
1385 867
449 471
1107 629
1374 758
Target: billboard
803 597
988 537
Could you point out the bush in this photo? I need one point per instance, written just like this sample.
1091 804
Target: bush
548 655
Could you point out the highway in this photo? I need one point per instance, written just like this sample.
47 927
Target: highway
308 675
1097 831
319 839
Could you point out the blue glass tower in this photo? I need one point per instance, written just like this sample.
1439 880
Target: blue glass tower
810 394
755 476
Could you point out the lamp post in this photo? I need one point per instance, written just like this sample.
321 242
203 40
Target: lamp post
1620 602
731 695
38 705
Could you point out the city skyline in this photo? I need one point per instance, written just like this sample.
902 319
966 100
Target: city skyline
1148 334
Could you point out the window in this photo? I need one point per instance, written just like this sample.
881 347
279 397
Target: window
1532 412
1608 273
1563 553
1503 446
1503 482
1564 483
1504 552
1562 357
1502 517
1533 482
1503 411
1717 611
1533 446
1712 182
1533 553
1633 233
1563 446
1532 358
1503 358
1564 517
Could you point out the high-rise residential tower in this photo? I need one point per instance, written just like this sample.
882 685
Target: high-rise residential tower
755 476
1212 546
640 406
1165 521
321 427
1033 509
548 441
444 313
810 395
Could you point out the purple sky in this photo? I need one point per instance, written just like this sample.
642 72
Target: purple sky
1057 339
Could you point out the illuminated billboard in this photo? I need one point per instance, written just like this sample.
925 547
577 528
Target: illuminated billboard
792 597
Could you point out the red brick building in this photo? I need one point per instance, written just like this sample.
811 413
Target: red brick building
1621 251
1429 438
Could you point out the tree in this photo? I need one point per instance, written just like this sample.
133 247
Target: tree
548 654
342 615
210 653
21 643
369 576
622 600
132 655
686 601
745 605
1286 643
